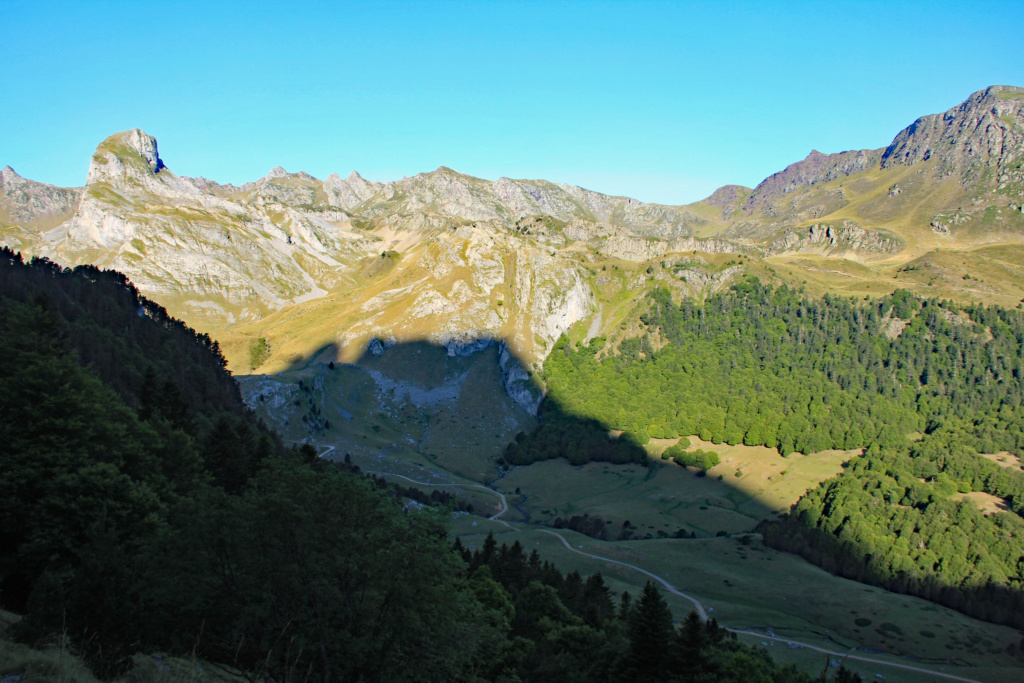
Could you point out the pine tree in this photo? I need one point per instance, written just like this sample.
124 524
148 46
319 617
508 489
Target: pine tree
650 636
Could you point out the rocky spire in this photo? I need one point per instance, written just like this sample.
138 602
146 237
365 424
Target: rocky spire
129 153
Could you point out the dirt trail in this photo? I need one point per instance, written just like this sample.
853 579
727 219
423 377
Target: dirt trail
699 608
501 496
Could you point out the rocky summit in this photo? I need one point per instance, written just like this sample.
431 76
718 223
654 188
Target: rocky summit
330 266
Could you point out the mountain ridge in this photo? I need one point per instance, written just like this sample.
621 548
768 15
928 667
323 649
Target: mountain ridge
449 257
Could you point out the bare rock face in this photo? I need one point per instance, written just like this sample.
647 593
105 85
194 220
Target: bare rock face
517 381
985 131
639 249
560 300
634 249
226 253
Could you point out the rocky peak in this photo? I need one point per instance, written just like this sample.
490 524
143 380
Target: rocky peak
350 192
146 147
277 172
9 176
726 195
815 168
986 130
129 153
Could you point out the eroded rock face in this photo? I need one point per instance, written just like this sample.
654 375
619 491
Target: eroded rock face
231 253
638 249
558 304
985 131
518 384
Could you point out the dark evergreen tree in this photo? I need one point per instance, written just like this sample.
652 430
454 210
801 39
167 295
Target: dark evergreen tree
650 637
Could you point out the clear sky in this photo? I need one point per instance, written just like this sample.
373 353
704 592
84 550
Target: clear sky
659 101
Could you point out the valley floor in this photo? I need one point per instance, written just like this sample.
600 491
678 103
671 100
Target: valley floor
798 612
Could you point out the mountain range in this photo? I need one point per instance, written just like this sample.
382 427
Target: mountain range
309 264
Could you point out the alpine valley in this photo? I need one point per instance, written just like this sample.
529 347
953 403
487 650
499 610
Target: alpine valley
798 407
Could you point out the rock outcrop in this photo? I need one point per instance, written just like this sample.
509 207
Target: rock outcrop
638 249
518 384
846 237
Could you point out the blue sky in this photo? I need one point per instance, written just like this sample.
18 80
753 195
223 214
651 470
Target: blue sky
659 101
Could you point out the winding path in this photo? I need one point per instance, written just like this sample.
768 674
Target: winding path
501 496
847 655
698 607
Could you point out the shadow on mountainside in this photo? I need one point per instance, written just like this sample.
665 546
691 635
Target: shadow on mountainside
453 406
484 382
470 410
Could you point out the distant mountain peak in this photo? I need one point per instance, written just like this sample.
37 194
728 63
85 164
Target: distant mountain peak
813 169
277 172
9 175
128 152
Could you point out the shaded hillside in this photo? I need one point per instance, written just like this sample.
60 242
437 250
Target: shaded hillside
121 336
132 523
472 411
110 411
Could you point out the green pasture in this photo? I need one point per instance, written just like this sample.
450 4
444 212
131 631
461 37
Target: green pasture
750 485
660 498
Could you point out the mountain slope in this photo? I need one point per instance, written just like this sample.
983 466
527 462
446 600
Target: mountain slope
947 180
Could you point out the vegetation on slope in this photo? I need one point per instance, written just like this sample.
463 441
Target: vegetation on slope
770 367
